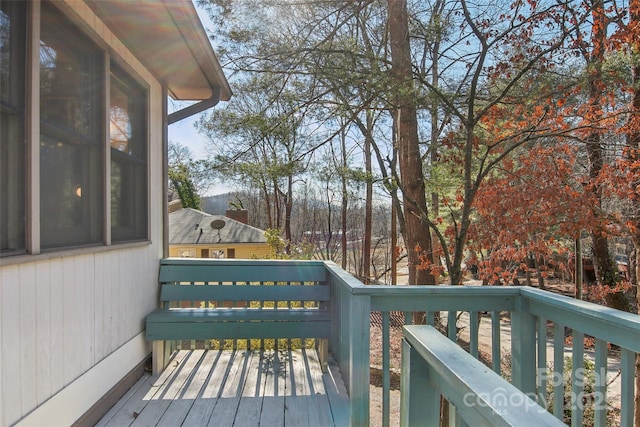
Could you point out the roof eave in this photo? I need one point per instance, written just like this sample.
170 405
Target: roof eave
169 39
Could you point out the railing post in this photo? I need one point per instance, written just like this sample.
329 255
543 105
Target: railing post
359 359
419 402
523 347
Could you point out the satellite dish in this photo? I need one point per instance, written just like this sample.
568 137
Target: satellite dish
217 224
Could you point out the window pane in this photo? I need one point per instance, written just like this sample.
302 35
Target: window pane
12 25
70 68
12 141
127 131
70 157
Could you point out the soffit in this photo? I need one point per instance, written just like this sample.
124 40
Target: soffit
168 38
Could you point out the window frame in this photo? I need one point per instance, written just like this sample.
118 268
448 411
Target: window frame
70 125
33 125
132 161
13 149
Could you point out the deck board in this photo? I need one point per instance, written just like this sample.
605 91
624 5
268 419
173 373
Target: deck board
274 389
236 388
122 413
208 397
162 395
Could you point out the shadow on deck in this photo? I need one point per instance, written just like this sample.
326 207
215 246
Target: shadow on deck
236 388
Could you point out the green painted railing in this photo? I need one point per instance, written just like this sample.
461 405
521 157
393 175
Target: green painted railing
434 367
537 324
540 323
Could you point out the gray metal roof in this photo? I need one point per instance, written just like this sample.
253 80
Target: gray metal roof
190 226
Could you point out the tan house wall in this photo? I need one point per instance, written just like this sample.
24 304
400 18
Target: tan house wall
242 251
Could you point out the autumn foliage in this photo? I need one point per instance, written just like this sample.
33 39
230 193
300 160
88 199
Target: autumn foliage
531 206
551 150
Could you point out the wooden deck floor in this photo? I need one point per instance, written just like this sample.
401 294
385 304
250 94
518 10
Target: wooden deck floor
236 388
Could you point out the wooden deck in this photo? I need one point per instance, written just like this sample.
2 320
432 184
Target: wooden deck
236 388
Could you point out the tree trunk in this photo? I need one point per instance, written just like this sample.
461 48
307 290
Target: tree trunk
368 208
633 142
579 269
417 236
605 269
288 208
634 277
345 200
267 206
329 235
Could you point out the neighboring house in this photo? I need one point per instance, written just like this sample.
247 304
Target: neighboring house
83 211
196 234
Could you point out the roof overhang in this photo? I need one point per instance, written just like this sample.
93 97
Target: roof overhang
169 39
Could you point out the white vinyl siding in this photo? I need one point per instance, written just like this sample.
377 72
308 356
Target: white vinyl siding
65 310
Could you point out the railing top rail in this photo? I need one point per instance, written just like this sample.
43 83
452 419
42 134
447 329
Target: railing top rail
439 298
233 270
346 280
478 393
440 290
608 324
239 262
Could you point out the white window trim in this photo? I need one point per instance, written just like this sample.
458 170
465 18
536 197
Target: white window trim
33 247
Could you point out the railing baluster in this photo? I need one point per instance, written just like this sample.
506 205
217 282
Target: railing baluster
627 368
419 403
474 324
262 308
495 342
288 307
600 398
558 370
431 318
577 379
523 343
386 365
408 317
542 361
359 315
232 304
451 326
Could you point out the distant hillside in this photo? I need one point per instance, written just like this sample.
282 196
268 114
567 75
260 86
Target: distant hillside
216 205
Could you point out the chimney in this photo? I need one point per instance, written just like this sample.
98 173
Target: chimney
175 205
240 215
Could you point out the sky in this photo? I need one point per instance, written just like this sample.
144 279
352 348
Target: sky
184 132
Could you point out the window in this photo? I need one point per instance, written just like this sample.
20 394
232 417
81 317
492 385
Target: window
93 125
12 127
70 148
128 157
188 253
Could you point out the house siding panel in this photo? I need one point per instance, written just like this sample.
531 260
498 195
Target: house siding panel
28 343
56 284
52 327
64 313
11 386
44 310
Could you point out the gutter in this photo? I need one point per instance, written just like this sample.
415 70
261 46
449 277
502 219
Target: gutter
192 30
196 108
